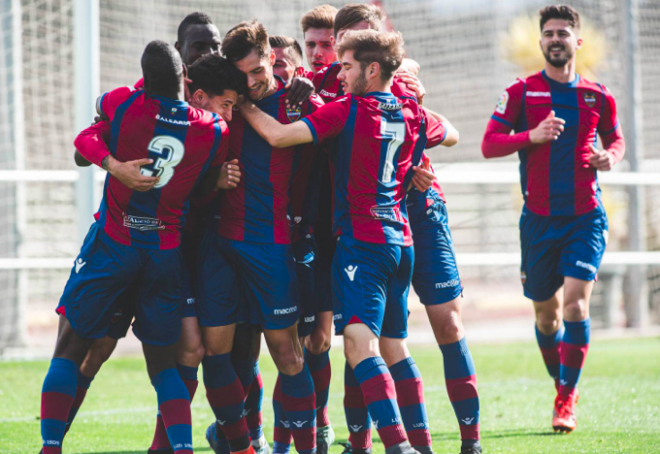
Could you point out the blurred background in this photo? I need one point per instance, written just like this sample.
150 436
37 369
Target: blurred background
57 56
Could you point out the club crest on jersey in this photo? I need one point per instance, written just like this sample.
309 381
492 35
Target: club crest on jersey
293 113
523 277
589 99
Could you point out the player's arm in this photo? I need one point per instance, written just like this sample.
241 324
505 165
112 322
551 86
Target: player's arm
274 132
451 134
91 145
611 136
499 141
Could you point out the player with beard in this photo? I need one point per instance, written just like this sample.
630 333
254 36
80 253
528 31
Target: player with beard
555 116
372 267
246 269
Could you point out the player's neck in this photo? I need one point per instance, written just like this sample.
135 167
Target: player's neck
377 85
272 88
564 75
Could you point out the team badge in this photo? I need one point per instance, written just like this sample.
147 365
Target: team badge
502 102
523 277
174 110
293 113
589 99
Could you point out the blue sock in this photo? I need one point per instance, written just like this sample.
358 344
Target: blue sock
298 402
410 397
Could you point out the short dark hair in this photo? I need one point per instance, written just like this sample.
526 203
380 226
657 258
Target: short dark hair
162 68
287 43
196 18
323 16
369 46
245 38
358 12
563 12
215 74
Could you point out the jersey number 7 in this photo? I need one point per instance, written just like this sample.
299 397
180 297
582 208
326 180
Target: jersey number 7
168 153
395 133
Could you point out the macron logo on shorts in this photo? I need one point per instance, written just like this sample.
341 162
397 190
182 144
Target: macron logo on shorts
350 271
447 284
79 264
285 311
586 266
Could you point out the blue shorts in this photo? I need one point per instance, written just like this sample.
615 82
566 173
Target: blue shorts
240 281
189 250
435 277
362 275
304 252
395 321
105 269
557 246
125 311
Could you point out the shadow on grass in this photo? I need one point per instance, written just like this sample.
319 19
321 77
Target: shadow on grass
520 433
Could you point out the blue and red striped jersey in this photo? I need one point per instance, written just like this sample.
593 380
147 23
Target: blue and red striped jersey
379 137
259 208
555 176
183 143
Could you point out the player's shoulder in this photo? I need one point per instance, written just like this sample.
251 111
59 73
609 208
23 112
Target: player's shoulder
110 100
596 87
203 119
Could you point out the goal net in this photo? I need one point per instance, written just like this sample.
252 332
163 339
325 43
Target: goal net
466 51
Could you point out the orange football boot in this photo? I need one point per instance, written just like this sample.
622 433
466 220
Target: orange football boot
563 416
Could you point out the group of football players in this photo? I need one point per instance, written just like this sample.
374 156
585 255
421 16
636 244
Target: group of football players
247 196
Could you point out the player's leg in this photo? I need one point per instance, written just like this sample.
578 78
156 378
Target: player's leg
549 332
99 275
437 283
271 288
157 325
361 273
542 282
357 416
584 244
406 375
254 398
313 270
217 307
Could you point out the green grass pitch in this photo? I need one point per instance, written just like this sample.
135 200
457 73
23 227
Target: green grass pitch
619 409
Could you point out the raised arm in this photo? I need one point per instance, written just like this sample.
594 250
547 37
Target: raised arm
275 133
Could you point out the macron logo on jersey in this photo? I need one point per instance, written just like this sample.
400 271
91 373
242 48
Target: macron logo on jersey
327 94
350 271
538 94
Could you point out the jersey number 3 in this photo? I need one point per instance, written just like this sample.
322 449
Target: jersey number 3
395 134
169 153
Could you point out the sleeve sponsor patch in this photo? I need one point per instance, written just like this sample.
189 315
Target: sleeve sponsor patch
502 102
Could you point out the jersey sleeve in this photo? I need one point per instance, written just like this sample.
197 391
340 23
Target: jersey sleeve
107 104
509 104
329 120
608 122
92 142
401 90
435 130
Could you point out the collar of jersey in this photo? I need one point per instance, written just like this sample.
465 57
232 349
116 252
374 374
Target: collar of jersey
173 102
559 84
380 95
276 95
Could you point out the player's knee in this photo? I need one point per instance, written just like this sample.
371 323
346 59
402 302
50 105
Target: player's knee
576 309
286 358
449 329
191 353
318 342
98 354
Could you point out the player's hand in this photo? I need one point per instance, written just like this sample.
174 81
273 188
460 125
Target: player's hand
300 89
424 176
413 83
229 176
128 173
549 129
600 159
